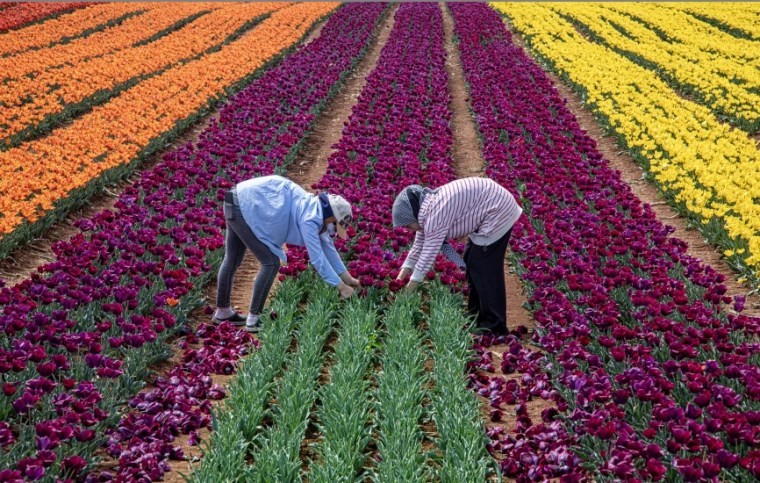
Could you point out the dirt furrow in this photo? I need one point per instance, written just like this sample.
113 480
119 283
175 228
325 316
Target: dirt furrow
469 161
309 166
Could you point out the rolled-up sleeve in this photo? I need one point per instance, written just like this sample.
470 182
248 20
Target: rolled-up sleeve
310 233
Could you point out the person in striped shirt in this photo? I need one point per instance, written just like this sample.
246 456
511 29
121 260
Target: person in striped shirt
475 207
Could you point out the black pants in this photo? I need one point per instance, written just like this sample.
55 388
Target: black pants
485 278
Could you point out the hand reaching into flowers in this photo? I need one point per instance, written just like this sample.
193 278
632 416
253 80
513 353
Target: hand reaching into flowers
348 279
345 290
403 273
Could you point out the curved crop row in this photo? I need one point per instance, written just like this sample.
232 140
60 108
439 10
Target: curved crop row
728 87
706 169
20 13
681 27
658 378
79 86
106 142
740 22
64 27
140 25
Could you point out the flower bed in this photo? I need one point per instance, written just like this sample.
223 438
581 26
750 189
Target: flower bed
20 14
406 100
398 133
657 378
727 85
705 169
82 84
43 180
65 27
119 298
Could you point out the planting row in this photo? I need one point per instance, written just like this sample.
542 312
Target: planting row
68 27
18 14
259 433
705 168
117 298
657 378
131 25
740 23
398 134
727 85
189 31
112 140
406 88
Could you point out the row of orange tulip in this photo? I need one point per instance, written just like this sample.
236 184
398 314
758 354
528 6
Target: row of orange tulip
17 15
155 18
35 176
29 101
66 26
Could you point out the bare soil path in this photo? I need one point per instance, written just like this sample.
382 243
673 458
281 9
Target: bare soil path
469 161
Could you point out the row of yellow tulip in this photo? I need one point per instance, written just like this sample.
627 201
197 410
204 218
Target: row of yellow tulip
67 25
155 18
37 175
681 27
30 101
705 167
728 86
744 16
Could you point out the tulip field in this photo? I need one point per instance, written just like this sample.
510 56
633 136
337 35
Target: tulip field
628 357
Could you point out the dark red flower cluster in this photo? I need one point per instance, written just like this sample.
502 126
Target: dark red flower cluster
398 134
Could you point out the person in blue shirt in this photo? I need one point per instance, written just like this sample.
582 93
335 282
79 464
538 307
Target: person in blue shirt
264 213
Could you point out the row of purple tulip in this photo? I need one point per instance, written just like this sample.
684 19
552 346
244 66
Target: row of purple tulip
398 134
80 333
656 376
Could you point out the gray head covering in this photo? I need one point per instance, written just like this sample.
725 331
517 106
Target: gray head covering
406 207
407 204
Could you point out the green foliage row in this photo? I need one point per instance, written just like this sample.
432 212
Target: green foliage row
277 455
345 407
236 426
456 410
401 389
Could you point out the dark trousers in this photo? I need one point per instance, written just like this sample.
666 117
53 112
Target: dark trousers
238 237
485 277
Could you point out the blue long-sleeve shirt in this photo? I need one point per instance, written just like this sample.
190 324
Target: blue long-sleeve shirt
279 211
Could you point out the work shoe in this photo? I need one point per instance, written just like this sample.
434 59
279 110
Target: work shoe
235 319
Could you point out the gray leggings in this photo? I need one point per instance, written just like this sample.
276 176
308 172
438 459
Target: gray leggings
239 237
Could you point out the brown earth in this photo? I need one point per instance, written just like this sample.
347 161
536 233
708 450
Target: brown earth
469 161
309 166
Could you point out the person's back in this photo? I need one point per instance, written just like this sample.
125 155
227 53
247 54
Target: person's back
275 208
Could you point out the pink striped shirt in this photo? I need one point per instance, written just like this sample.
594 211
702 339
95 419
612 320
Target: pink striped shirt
477 207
